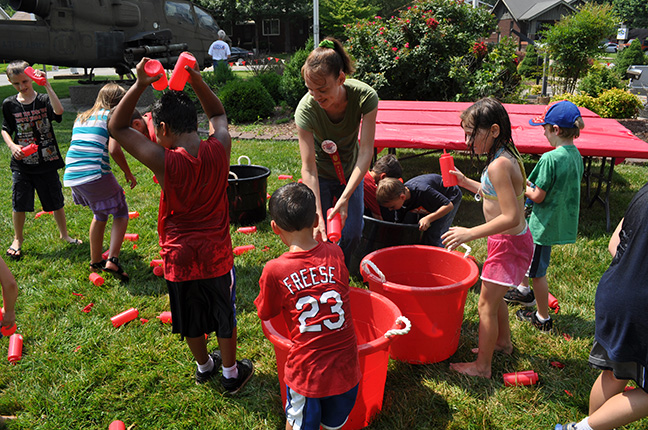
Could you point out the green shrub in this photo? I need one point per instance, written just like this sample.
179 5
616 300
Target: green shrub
614 103
271 82
221 75
535 90
246 100
598 79
619 104
529 67
629 56
292 86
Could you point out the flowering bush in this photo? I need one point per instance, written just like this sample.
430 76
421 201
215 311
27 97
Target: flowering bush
410 56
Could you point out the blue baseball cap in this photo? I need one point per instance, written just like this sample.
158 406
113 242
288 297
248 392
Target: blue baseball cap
563 114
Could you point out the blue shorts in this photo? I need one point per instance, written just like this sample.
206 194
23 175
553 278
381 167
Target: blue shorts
540 261
307 413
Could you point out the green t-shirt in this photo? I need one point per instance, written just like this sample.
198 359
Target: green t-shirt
361 99
558 173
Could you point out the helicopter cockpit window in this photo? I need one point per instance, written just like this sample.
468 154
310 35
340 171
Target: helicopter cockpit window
206 21
179 11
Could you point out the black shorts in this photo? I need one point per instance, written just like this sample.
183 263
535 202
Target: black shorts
47 185
598 359
204 306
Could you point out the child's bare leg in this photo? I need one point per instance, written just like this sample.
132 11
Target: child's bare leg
491 300
619 410
541 290
117 233
503 343
605 387
97 229
59 217
18 219
198 347
228 349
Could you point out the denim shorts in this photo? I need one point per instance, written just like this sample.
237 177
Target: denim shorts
540 261
308 413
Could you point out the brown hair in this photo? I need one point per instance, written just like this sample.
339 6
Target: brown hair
388 165
16 67
573 132
324 61
389 189
108 97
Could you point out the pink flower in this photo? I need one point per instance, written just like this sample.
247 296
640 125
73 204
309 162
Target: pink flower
398 58
394 49
407 45
432 23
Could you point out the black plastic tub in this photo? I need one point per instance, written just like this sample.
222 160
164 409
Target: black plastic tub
247 193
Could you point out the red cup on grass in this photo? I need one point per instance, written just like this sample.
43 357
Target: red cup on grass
526 377
333 226
132 215
96 279
164 317
154 263
247 230
242 249
40 80
117 425
15 348
180 76
158 271
8 331
29 149
553 302
131 236
285 176
124 317
154 68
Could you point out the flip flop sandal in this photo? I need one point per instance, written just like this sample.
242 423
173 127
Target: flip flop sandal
74 242
16 254
98 266
119 273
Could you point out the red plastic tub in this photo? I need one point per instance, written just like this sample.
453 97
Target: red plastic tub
429 285
373 315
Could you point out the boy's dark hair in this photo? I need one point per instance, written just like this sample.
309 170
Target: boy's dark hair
177 111
292 207
388 165
389 189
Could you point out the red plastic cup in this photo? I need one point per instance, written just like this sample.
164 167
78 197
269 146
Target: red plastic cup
180 76
247 230
526 377
8 331
124 317
154 68
117 425
158 271
285 176
96 279
553 302
15 348
40 80
154 263
105 254
447 163
242 249
29 149
333 226
131 236
164 317
132 215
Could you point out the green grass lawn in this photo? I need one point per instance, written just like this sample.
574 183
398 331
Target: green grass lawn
77 371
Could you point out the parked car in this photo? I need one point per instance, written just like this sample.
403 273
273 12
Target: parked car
240 54
644 45
609 47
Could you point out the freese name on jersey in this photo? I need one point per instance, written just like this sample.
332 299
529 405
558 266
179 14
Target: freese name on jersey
309 277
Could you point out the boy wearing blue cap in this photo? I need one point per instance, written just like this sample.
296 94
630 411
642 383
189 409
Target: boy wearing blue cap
554 188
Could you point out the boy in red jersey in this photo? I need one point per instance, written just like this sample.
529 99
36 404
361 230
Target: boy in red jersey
310 285
193 219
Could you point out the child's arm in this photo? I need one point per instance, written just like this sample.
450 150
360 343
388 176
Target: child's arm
9 295
465 182
57 106
310 178
15 149
614 240
118 155
536 194
213 108
424 223
139 146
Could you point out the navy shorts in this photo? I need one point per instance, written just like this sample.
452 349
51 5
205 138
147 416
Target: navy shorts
47 185
540 261
307 413
204 306
599 359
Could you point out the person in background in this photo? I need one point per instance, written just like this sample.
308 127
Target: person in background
386 166
219 50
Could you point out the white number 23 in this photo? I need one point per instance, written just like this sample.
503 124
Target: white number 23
315 308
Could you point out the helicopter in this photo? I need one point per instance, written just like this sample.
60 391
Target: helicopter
107 33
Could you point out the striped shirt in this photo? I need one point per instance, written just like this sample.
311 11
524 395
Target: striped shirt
87 159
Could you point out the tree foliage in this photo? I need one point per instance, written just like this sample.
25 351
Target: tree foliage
632 12
575 39
629 56
335 14
242 10
410 55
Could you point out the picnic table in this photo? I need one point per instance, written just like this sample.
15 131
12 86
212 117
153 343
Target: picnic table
436 126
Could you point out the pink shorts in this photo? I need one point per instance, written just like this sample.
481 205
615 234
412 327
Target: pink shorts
509 257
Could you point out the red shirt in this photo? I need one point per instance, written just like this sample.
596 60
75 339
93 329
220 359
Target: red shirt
193 219
370 187
311 288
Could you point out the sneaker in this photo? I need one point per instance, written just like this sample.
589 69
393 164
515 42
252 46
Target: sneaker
245 372
568 426
202 377
513 295
530 315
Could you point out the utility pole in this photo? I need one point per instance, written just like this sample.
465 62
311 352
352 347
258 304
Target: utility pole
316 23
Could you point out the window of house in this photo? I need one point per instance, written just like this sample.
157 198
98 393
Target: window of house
271 27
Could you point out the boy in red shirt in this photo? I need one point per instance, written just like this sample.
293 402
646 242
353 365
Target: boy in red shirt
310 285
193 219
